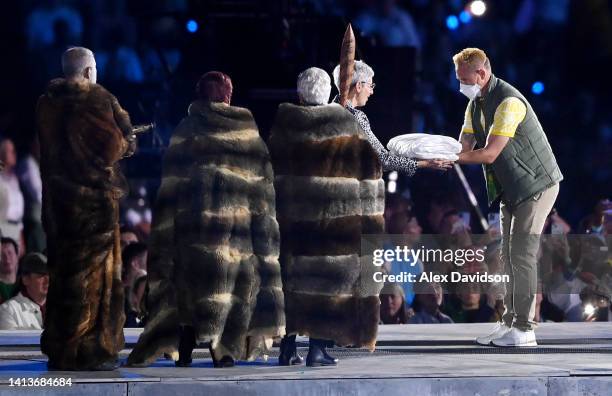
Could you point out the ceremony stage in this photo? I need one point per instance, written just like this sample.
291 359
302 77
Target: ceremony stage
572 359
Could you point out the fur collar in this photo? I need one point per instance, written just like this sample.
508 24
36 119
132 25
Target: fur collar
61 87
297 123
208 109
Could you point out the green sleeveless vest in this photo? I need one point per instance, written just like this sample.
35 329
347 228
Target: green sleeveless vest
527 165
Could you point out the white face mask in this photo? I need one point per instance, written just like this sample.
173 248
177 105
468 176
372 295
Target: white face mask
471 91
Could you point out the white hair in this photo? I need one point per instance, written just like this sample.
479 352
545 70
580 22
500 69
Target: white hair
314 86
363 72
75 60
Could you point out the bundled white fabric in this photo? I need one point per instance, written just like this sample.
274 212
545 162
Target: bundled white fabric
425 146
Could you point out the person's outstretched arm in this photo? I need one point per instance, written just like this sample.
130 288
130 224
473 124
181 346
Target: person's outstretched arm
392 162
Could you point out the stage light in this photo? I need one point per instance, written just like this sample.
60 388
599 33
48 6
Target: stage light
589 309
192 26
537 87
478 7
393 175
465 17
452 22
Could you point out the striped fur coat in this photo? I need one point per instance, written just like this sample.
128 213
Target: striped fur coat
329 192
213 262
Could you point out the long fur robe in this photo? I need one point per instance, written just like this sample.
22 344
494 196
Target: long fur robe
82 133
329 192
213 262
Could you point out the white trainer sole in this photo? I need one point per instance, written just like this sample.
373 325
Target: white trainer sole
482 342
527 344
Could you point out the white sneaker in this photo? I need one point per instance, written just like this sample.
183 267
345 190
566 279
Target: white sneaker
516 338
499 330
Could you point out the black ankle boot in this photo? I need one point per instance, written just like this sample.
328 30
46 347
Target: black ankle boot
212 356
318 356
225 361
288 355
186 345
329 357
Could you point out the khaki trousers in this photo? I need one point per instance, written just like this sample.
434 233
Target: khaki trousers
521 228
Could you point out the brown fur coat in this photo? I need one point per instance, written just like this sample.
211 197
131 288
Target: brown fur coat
329 192
81 131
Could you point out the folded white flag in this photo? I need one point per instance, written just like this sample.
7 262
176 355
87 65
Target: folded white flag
425 146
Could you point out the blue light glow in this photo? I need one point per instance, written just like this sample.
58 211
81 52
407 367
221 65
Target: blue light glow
452 22
465 17
537 87
192 26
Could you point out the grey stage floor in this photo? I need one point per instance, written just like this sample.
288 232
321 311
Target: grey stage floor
572 359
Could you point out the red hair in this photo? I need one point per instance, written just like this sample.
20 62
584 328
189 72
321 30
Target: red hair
214 86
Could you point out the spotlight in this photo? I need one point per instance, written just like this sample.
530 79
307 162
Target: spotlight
589 309
478 7
391 187
465 17
537 87
452 22
192 26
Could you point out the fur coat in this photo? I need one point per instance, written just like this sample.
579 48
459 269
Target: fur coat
213 261
329 192
82 132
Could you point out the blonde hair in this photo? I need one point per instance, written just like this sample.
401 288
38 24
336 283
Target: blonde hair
473 57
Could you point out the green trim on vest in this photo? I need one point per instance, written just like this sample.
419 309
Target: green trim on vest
527 165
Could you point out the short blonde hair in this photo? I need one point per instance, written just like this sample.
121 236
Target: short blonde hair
473 57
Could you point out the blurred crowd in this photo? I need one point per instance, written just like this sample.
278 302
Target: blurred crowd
575 267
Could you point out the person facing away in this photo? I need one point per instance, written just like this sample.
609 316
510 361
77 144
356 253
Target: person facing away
213 270
85 133
329 191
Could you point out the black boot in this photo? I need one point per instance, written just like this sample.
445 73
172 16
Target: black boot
318 356
186 345
212 356
288 355
225 361
329 344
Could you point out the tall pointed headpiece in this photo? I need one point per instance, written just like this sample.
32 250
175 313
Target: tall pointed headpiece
347 64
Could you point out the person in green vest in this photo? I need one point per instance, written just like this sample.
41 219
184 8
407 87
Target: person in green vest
502 132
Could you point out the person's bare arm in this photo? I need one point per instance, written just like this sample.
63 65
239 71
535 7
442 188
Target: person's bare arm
468 142
488 154
437 164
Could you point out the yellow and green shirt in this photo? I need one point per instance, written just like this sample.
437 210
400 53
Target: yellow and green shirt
508 115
